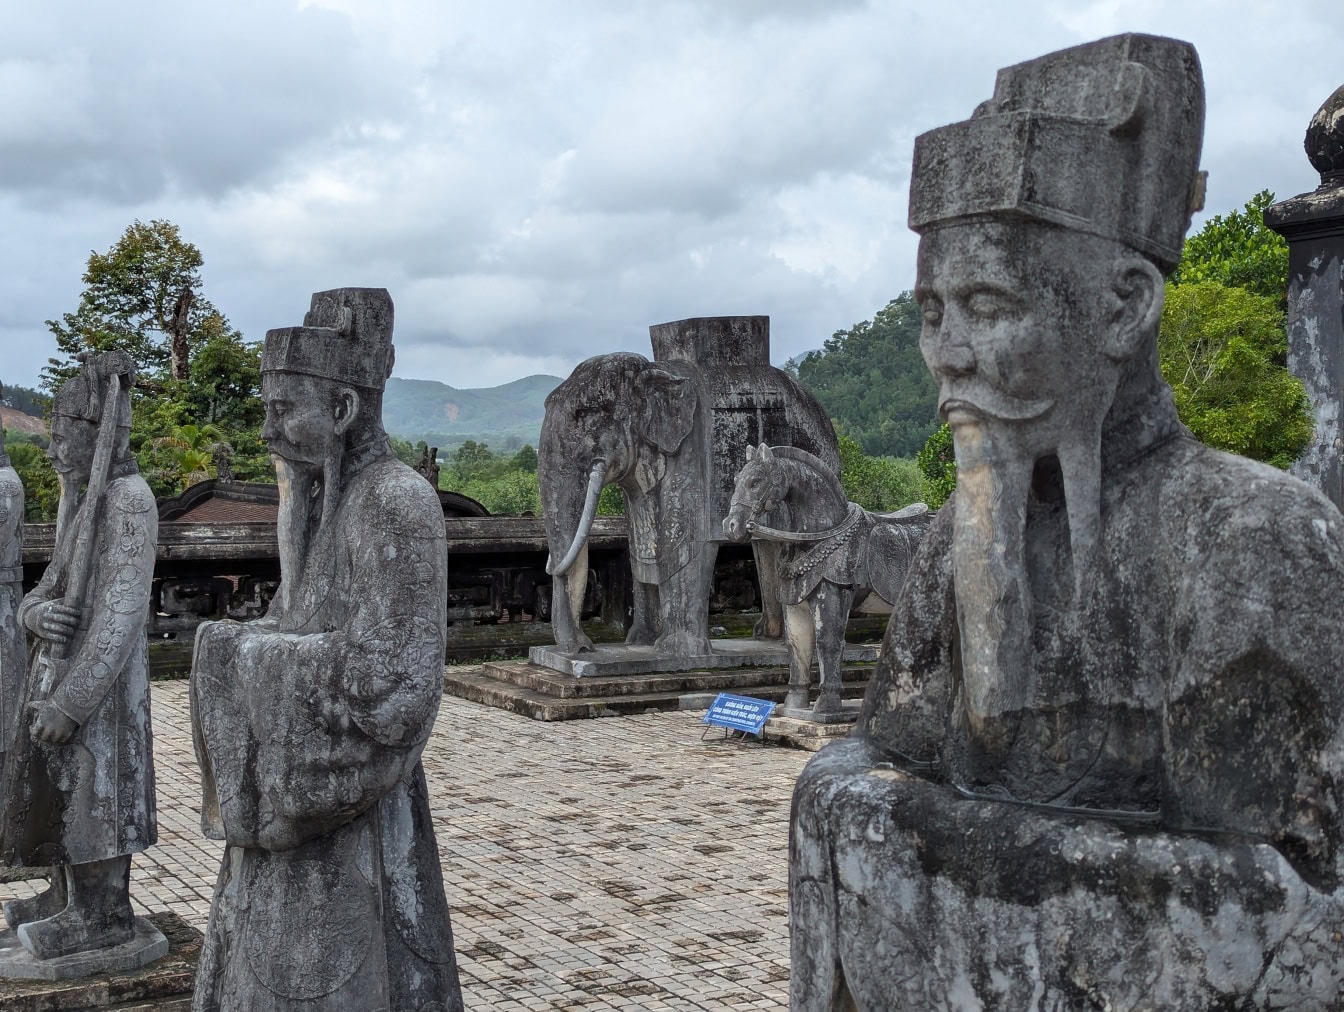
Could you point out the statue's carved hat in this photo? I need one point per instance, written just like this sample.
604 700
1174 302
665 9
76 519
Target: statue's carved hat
1102 138
346 337
81 396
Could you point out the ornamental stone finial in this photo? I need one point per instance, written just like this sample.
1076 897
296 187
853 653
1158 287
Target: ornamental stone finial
1325 139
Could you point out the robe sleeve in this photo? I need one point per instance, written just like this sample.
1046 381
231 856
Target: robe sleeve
114 621
304 731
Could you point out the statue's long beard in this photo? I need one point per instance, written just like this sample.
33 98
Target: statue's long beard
996 462
309 494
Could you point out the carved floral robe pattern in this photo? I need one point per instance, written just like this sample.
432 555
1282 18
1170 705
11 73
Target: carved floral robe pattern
92 798
309 727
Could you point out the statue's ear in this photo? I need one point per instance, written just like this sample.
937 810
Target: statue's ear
765 453
667 407
751 453
1137 294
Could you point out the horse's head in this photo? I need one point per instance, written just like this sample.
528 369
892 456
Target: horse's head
759 488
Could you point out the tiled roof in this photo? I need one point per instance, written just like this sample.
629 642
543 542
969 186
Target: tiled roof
216 510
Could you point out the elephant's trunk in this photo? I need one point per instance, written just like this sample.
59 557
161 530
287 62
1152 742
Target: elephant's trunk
580 541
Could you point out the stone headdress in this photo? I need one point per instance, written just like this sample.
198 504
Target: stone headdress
82 395
346 337
1102 138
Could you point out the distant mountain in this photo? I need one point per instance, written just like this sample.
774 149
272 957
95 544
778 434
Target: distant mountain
443 415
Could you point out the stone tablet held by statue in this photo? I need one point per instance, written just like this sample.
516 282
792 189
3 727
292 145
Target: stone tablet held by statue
310 723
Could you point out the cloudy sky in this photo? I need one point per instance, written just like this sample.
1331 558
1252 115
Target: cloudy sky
537 182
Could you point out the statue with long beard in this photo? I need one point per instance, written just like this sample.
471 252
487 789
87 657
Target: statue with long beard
310 723
1100 763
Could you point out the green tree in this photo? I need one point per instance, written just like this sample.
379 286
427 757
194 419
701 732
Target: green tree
141 296
183 457
938 462
878 484
872 379
525 459
1222 350
1238 250
41 487
472 460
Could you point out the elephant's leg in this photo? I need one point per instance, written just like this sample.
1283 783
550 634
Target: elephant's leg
830 611
771 625
644 621
683 605
565 615
802 641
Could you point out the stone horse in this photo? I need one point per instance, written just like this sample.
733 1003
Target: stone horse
834 554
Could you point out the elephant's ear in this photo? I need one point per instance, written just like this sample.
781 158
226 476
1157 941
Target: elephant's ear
667 408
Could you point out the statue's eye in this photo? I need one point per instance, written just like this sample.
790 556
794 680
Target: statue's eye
988 304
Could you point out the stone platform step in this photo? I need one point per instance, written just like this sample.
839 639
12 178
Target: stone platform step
808 735
542 694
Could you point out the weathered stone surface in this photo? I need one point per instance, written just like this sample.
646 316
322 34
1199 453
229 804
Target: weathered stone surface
671 433
146 944
78 781
310 723
163 986
13 644
1098 764
1313 224
608 660
830 551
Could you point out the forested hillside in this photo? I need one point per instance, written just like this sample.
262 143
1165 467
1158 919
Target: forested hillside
436 413
873 381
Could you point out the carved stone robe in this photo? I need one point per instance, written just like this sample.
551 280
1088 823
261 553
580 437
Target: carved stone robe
1165 829
13 662
309 727
92 798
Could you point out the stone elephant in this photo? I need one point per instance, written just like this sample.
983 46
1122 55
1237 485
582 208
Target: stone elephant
670 433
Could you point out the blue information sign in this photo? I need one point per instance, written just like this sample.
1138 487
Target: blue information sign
740 713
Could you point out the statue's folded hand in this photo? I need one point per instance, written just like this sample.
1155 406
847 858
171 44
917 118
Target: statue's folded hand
54 621
50 724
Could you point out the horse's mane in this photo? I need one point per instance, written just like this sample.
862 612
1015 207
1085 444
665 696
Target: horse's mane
812 462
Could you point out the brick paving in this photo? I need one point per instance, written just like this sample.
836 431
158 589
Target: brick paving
619 863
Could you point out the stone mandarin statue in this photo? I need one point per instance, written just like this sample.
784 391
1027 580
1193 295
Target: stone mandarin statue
310 723
1100 763
13 662
78 782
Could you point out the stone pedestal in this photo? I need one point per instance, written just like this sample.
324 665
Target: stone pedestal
606 660
1313 224
165 985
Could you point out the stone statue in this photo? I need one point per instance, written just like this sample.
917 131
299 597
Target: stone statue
1099 763
221 455
309 723
78 782
671 433
13 647
834 555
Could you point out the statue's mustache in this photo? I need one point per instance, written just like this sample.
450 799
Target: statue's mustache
980 398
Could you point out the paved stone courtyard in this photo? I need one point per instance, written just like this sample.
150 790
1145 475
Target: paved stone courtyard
619 863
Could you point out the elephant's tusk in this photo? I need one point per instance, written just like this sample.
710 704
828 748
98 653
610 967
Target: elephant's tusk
595 482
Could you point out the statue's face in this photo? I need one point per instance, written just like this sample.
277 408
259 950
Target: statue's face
1013 320
72 446
301 417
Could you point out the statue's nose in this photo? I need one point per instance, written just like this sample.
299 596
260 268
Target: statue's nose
956 358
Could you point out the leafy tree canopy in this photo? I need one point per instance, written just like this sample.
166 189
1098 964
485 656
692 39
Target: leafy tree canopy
1238 250
879 484
1222 350
141 296
29 401
873 381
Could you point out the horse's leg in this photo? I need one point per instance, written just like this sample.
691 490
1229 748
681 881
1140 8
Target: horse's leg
801 637
771 625
830 612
